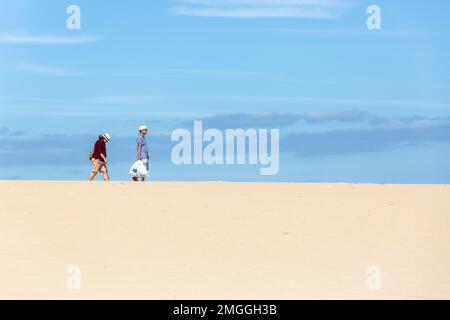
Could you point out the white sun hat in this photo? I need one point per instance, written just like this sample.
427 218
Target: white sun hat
142 128
107 136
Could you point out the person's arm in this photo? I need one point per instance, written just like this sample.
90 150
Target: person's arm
103 157
139 151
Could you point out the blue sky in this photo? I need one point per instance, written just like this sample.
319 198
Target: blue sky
351 104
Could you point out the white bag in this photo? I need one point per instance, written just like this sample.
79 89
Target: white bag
138 169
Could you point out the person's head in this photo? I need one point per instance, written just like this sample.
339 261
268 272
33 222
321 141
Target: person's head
105 137
143 130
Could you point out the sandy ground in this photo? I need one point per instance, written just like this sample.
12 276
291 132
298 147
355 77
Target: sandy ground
223 240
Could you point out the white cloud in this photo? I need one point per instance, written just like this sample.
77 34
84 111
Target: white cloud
326 32
313 9
45 39
123 100
47 70
333 101
214 73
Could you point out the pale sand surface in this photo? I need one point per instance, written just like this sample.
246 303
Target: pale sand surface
217 240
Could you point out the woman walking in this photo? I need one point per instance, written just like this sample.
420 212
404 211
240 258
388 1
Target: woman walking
98 157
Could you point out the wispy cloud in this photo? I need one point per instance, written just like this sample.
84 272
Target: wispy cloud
17 149
248 120
193 73
312 9
326 32
46 39
332 101
50 70
48 150
47 70
4 130
316 117
394 134
380 133
222 73
123 100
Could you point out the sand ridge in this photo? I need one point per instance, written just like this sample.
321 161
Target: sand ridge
223 240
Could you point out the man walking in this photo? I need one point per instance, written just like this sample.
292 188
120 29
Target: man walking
142 149
98 157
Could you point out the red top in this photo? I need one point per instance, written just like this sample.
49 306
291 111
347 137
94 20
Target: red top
99 148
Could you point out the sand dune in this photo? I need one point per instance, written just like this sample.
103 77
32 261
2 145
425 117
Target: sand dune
217 240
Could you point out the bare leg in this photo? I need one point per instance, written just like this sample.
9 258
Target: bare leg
105 173
135 179
92 176
95 169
